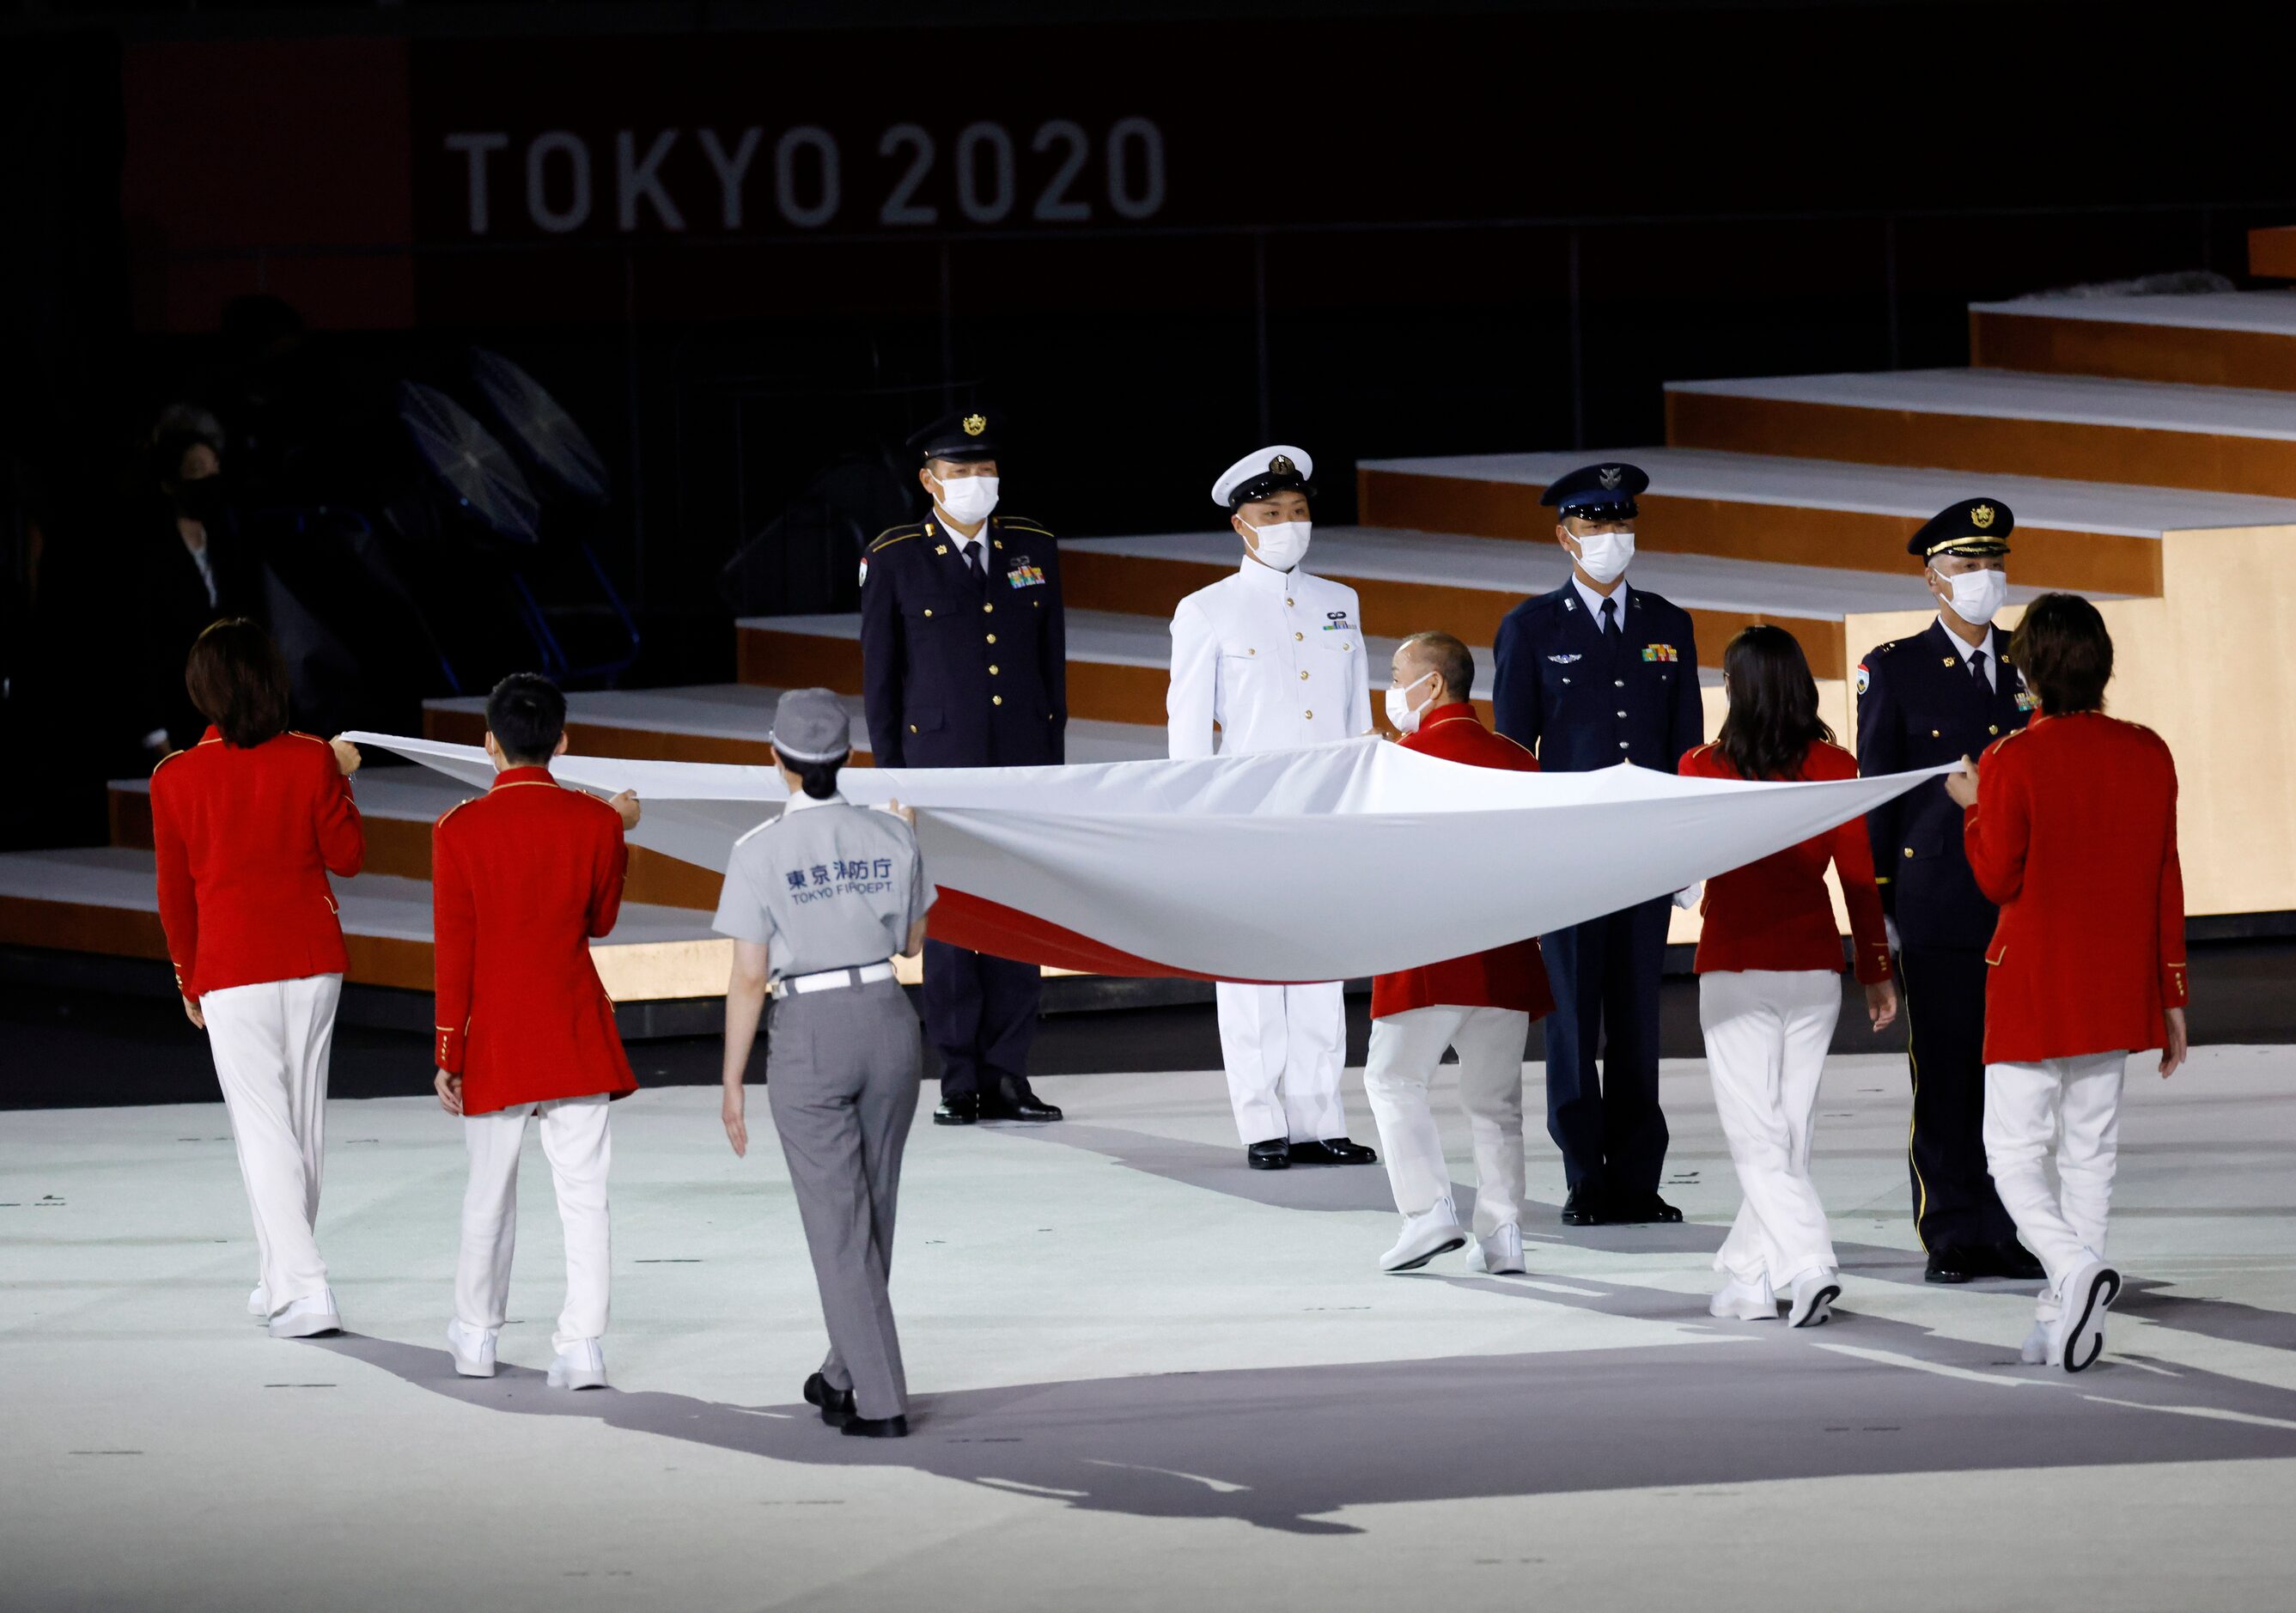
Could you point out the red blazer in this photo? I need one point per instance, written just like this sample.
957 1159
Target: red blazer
1513 976
520 880
2074 834
1775 913
244 841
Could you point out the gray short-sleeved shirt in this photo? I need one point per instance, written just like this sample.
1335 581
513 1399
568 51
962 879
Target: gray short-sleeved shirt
827 885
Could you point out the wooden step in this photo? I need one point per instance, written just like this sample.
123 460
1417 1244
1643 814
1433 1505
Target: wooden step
1994 422
2089 536
1408 582
2218 339
397 805
2272 252
103 899
728 722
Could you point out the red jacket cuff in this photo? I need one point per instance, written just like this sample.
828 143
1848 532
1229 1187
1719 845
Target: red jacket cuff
1873 963
448 1044
2173 991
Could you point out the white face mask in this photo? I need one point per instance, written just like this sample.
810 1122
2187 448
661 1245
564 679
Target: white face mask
968 499
1282 544
1604 555
1402 715
1977 596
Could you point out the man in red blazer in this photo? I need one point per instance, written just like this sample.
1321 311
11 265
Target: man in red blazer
521 880
1481 1004
2070 827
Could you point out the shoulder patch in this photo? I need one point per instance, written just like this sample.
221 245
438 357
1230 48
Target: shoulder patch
1864 677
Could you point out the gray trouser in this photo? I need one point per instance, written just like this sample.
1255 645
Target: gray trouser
842 1074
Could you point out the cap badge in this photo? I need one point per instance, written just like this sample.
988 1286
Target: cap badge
975 424
1282 464
1611 476
1980 516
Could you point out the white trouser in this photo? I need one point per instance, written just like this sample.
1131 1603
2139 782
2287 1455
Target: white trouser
576 1141
1283 1046
271 1042
1405 1049
2074 1103
1766 1033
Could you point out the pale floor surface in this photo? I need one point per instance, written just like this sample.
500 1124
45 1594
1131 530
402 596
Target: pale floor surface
1145 1379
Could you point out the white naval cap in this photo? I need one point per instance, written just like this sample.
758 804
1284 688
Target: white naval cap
1263 471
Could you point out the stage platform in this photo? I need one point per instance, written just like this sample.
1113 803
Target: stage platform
1145 1378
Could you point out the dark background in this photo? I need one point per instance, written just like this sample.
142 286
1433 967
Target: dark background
1380 232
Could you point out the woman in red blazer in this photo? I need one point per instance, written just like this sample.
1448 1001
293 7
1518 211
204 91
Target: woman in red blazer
2071 829
1769 983
247 824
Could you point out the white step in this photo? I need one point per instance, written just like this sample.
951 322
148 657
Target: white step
2258 313
2121 509
2154 406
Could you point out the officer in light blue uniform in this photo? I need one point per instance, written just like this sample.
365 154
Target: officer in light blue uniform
1592 675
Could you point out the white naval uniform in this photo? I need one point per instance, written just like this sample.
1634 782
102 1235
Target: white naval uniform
1276 659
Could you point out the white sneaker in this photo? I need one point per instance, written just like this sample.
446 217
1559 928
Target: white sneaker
259 1304
1437 1232
2036 1350
309 1317
473 1347
1745 1301
1500 1254
2079 1339
1814 1294
580 1365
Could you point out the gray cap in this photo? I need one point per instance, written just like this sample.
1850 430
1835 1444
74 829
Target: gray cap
810 726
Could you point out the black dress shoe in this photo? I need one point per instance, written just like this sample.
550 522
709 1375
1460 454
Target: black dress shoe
879 1428
1640 1209
1022 1105
1583 1208
2014 1260
1333 1151
1949 1264
1273 1155
958 1109
836 1404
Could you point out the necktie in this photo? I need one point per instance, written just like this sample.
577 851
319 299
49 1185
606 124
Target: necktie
1977 667
1611 623
975 564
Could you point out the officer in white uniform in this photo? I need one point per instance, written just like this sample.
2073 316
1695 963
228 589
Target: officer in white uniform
1272 660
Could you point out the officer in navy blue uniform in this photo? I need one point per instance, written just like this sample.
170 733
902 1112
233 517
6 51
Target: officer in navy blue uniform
1590 676
1931 700
964 663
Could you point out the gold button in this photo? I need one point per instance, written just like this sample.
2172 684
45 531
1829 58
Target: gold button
1992 728
1933 733
996 700
912 727
1303 677
992 669
1311 717
1251 652
1299 636
1909 851
1287 601
992 638
928 612
988 607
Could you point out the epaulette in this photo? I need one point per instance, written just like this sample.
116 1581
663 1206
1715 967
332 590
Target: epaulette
894 535
1014 523
451 811
297 734
164 760
761 827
